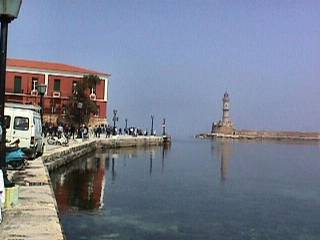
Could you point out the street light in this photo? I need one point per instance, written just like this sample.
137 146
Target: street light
79 106
152 117
164 127
41 88
126 120
115 118
9 10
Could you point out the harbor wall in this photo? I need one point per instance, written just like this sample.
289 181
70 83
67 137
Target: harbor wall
275 135
62 157
279 134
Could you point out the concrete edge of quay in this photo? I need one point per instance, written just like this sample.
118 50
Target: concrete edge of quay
36 215
301 137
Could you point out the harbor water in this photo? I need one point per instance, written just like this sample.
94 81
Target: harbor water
193 189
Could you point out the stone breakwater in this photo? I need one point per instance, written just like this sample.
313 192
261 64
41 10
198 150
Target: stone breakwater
36 215
272 135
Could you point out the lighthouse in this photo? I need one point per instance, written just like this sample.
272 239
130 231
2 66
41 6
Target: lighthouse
226 110
225 125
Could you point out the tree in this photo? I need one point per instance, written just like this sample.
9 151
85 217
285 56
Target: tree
77 115
91 81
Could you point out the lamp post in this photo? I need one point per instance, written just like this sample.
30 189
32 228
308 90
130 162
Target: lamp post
164 127
41 88
114 119
152 117
126 120
79 106
9 10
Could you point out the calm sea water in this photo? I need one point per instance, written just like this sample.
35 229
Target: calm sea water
195 189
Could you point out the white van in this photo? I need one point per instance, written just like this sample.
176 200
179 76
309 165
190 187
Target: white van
24 122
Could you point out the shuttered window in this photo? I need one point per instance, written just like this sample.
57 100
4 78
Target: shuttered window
17 84
56 86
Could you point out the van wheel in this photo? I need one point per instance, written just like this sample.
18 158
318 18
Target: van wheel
34 154
18 165
42 151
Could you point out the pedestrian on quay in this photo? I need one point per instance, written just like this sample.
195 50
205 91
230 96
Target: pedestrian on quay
95 131
82 131
60 130
2 194
72 130
99 130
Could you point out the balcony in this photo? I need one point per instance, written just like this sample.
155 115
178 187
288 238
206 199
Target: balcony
56 94
34 92
93 96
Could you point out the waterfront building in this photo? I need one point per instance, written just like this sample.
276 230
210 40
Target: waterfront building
224 125
23 76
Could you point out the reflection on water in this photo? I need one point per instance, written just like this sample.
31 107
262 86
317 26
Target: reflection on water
222 150
194 190
80 185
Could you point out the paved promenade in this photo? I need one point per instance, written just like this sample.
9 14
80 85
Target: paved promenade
36 215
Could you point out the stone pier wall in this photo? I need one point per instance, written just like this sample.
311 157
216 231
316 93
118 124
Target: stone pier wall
279 134
274 135
64 156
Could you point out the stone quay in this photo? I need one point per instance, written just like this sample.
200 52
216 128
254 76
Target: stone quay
35 213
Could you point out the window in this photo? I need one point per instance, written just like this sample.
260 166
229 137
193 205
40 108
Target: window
7 120
56 86
34 83
21 123
17 84
74 85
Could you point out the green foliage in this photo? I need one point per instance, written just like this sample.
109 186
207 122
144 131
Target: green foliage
81 94
90 81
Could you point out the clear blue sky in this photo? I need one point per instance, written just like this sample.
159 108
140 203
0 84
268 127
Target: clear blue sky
175 59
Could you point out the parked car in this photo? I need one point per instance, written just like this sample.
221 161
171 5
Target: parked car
23 122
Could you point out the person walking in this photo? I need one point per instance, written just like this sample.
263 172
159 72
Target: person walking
60 131
99 130
72 130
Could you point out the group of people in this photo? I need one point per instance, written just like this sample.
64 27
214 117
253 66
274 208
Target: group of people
137 132
69 131
84 131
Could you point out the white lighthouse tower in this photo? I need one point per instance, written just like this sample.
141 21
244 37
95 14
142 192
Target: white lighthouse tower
226 121
225 125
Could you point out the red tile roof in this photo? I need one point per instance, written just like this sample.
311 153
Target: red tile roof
50 66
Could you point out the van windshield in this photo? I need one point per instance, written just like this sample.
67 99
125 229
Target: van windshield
7 120
21 123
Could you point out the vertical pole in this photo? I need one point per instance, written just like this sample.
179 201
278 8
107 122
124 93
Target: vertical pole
151 125
114 121
3 65
41 104
164 127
